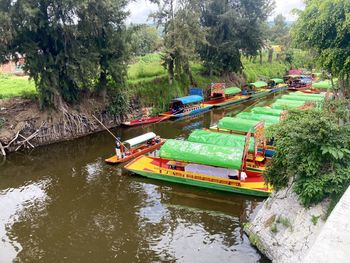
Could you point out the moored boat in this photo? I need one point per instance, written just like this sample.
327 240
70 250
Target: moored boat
277 84
256 89
186 106
145 121
135 147
203 165
221 96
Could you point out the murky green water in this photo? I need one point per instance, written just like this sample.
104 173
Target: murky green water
62 203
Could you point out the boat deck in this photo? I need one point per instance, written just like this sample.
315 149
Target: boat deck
158 168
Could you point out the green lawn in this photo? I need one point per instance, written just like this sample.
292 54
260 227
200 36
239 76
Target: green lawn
147 72
14 86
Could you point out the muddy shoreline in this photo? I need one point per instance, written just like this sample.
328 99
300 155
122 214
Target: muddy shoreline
24 126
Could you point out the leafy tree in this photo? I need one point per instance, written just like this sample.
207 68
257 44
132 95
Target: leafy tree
233 26
279 30
68 45
182 33
324 26
313 151
145 39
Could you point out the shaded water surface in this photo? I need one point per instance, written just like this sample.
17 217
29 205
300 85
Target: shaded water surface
62 203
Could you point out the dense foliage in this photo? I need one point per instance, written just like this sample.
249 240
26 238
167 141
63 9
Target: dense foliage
324 26
233 27
68 45
312 150
145 40
182 34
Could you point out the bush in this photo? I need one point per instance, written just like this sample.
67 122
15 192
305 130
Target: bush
312 149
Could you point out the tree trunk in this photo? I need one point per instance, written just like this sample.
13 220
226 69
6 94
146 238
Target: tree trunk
260 57
171 71
270 55
189 72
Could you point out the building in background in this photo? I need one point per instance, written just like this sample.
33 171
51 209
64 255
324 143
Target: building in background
13 67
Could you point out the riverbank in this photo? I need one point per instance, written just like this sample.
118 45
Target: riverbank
24 125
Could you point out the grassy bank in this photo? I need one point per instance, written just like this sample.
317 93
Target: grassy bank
147 80
14 86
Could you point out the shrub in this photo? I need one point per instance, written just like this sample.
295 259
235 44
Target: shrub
312 149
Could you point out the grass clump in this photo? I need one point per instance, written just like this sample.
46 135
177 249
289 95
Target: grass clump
15 86
314 219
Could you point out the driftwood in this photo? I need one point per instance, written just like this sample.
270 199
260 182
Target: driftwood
21 143
2 149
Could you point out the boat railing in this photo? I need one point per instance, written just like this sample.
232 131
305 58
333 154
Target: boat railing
199 177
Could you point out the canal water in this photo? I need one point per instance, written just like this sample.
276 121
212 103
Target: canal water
62 203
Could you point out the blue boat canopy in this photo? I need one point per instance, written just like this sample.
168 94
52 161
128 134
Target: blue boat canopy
189 99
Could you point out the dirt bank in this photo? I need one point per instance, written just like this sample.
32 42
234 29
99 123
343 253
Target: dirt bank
24 125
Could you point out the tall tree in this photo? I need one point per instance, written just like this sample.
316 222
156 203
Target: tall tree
324 27
182 33
68 45
279 29
145 39
234 26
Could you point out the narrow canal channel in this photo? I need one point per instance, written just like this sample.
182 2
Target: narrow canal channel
62 203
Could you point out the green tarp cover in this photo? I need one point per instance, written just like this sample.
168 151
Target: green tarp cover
237 124
259 117
277 81
326 84
207 154
221 139
287 104
267 111
301 98
232 91
299 93
259 84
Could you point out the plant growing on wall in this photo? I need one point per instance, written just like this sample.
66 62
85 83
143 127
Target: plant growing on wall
312 151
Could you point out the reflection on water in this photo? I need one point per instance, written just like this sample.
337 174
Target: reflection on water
62 203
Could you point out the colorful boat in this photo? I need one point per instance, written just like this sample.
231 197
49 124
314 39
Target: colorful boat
135 147
186 106
298 82
145 121
203 165
221 96
256 89
277 84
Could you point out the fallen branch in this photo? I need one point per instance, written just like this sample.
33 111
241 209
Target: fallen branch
2 150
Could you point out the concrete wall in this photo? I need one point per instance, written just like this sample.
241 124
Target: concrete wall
333 242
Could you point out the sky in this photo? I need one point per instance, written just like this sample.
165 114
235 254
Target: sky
140 9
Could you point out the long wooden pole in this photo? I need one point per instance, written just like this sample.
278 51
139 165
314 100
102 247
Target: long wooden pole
106 128
109 131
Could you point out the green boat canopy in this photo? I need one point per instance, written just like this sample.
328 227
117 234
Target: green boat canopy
287 104
267 111
237 124
221 139
299 93
232 91
277 81
302 98
326 84
259 84
259 117
207 154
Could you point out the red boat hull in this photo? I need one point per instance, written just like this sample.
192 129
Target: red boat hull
144 121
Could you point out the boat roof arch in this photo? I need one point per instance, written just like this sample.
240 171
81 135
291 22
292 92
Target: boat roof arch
258 84
277 80
140 139
189 99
